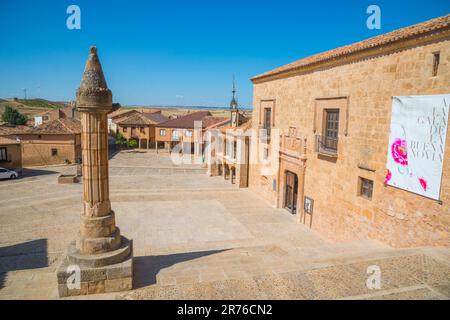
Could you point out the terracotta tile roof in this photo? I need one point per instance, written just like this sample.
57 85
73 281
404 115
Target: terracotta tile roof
58 126
156 117
213 122
121 113
142 119
8 141
185 122
384 39
7 129
244 127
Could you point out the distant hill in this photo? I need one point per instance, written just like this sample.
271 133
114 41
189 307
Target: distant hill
189 107
30 107
41 103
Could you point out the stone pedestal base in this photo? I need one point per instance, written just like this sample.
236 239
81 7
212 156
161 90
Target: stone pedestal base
67 179
100 273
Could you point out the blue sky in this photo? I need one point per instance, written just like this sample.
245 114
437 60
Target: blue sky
179 52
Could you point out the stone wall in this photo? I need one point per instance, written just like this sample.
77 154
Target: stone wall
364 88
14 156
38 151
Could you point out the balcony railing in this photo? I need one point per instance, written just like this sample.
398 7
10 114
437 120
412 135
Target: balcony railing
326 145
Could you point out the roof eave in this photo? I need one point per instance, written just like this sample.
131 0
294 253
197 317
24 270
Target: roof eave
439 34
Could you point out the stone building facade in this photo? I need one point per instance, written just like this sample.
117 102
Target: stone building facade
229 147
182 132
345 95
51 143
10 153
141 127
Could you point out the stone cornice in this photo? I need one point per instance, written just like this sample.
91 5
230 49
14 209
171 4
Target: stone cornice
363 54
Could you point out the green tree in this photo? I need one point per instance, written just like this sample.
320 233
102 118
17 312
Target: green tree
12 116
132 143
120 139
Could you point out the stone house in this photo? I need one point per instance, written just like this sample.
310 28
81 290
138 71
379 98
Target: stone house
54 142
140 127
182 131
116 116
50 115
333 111
10 153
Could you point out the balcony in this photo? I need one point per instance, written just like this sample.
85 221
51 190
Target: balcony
327 146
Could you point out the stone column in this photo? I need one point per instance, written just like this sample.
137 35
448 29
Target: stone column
103 256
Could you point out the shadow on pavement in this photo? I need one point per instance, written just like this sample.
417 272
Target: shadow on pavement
146 268
28 172
22 256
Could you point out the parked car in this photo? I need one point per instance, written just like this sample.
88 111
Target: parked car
8 174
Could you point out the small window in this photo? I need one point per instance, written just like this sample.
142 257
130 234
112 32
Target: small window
234 149
44 118
3 154
175 135
142 130
267 119
54 152
436 58
365 188
188 133
124 129
162 132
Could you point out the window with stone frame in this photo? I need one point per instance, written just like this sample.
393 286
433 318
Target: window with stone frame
331 129
365 188
267 120
436 60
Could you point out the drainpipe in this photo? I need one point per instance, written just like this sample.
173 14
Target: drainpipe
301 195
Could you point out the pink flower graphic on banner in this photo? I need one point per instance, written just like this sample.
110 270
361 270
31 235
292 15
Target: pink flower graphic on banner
388 176
399 153
423 183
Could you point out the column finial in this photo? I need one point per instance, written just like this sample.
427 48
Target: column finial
93 94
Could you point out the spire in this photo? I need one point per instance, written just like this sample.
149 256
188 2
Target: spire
233 103
93 93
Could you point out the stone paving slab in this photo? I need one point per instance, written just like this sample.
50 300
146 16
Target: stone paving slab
198 237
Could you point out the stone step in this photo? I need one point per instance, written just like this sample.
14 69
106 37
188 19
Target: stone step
413 276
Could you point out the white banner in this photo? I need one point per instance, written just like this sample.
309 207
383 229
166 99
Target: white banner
417 143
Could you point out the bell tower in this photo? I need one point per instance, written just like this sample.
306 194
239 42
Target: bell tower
234 112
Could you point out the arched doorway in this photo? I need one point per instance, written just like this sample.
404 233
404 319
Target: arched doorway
291 192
